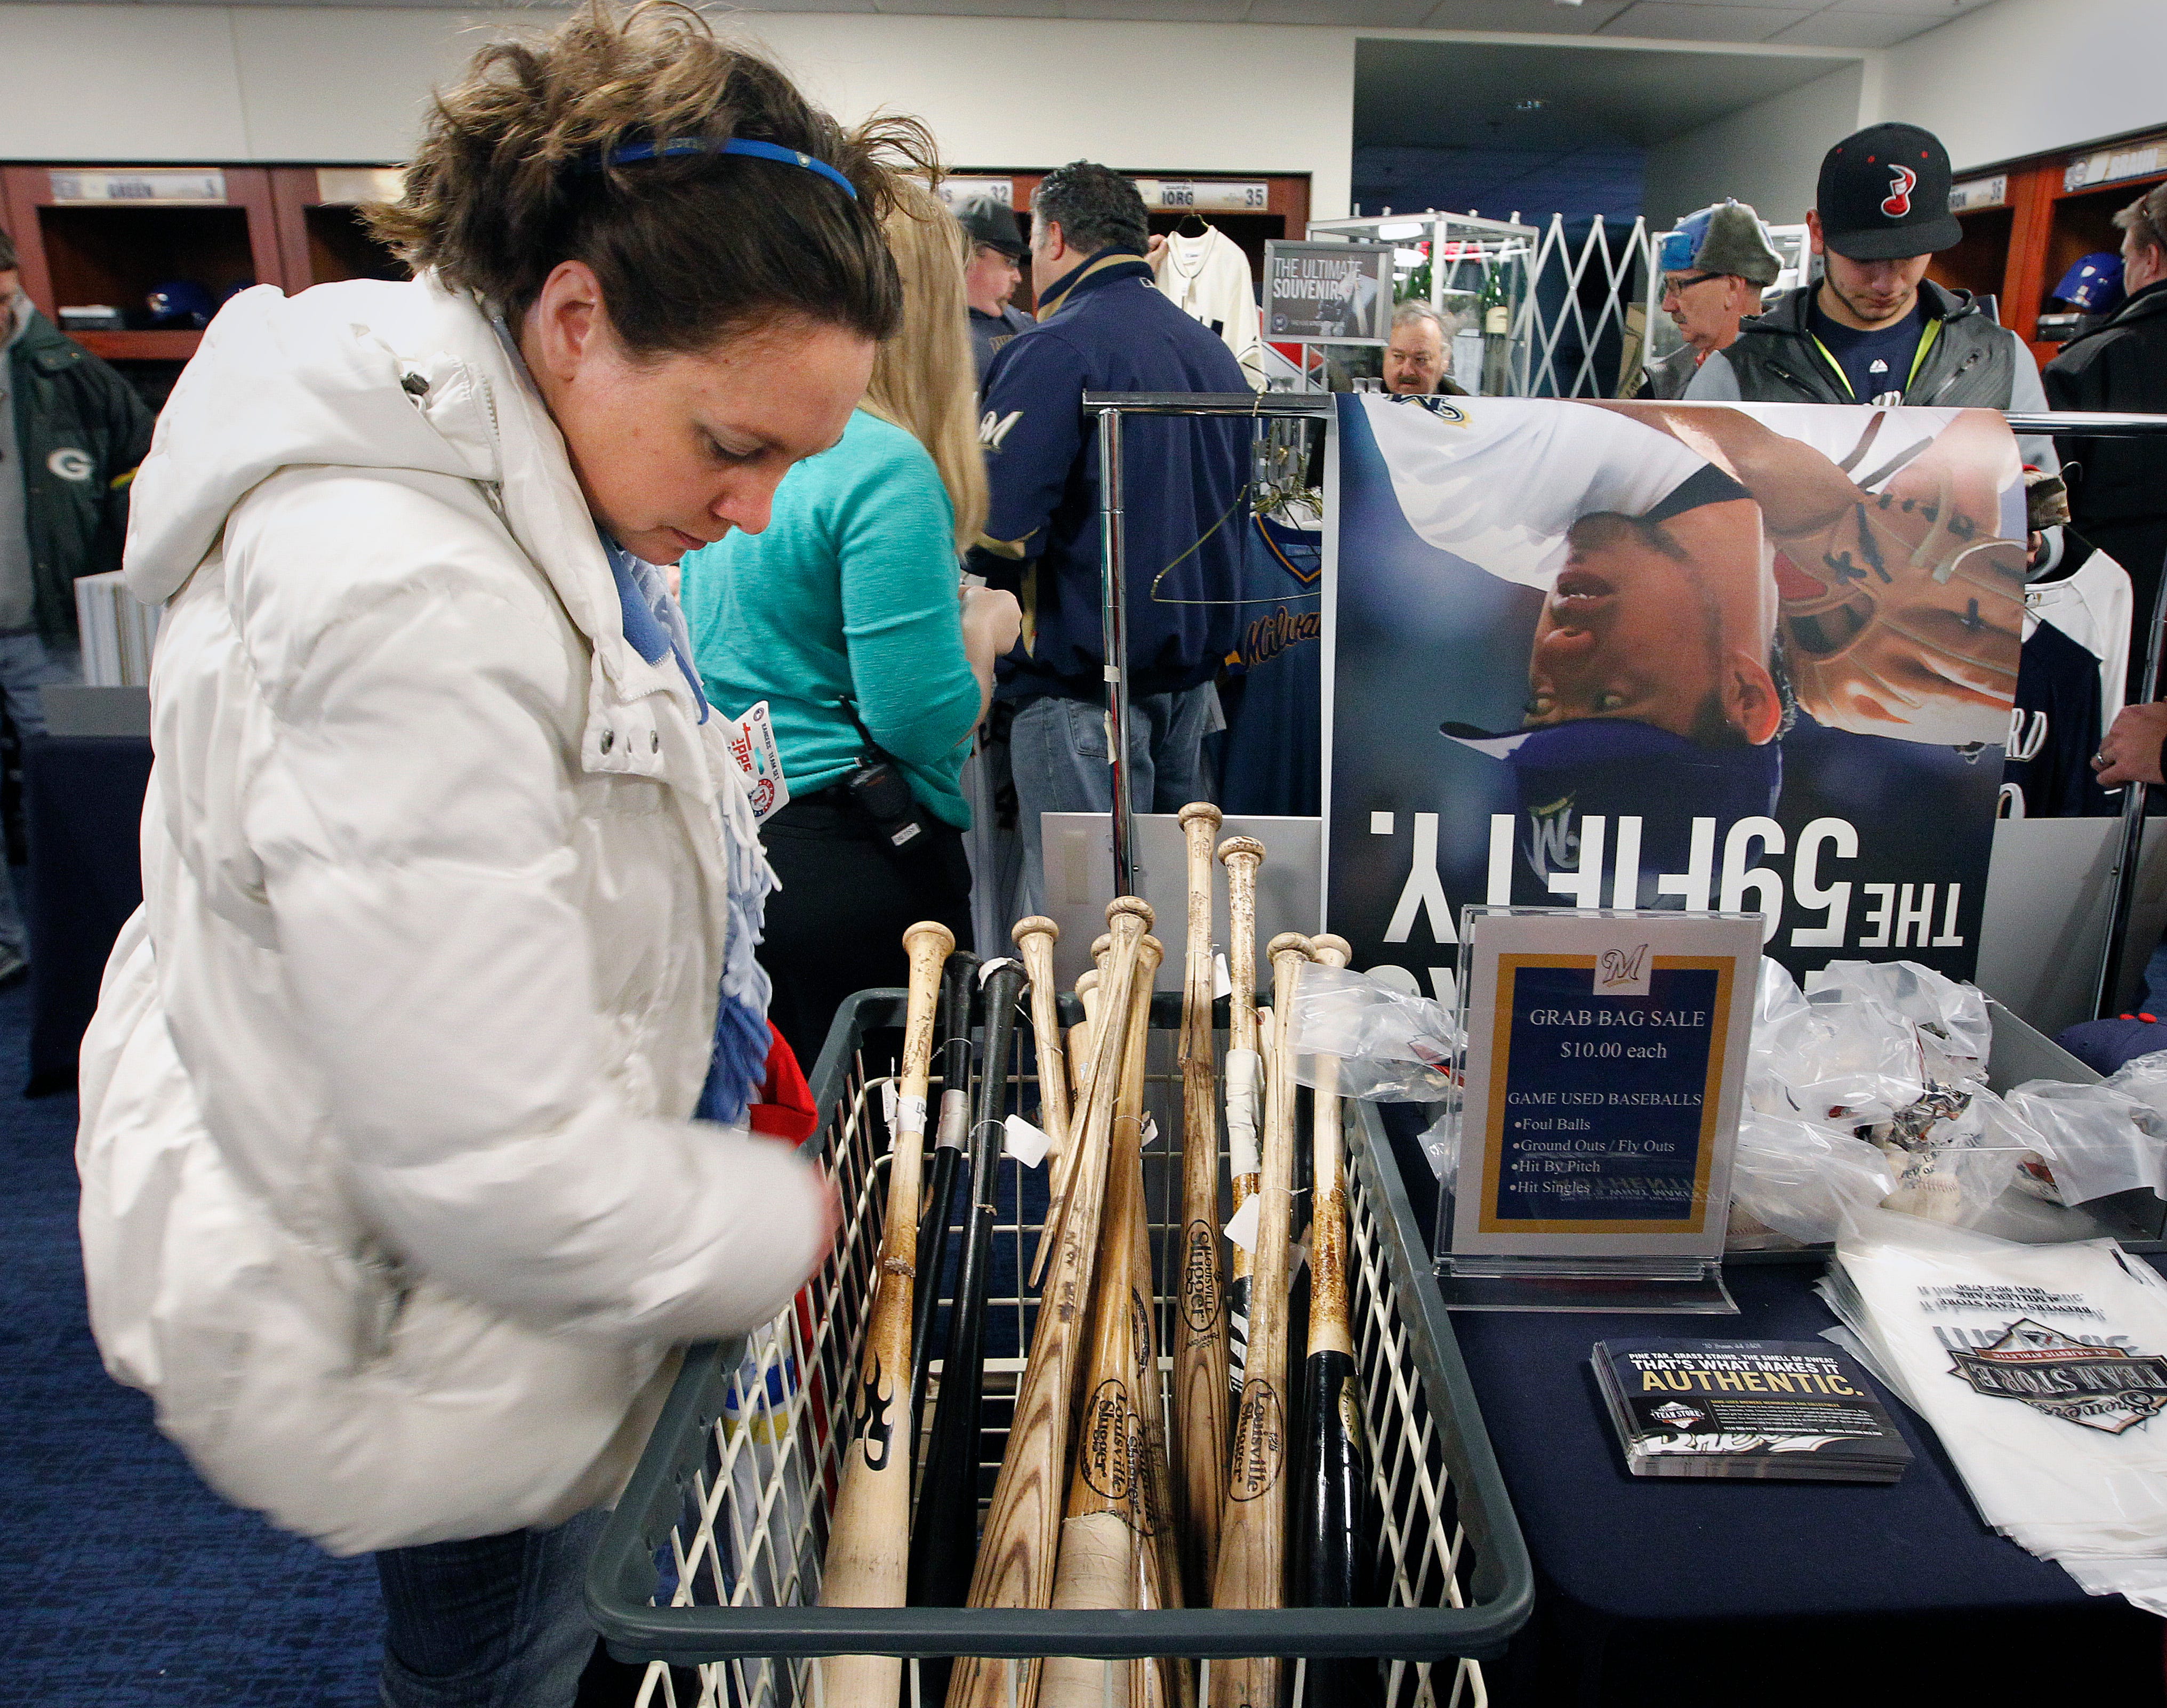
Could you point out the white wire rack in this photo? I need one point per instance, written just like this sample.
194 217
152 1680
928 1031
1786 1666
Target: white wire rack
722 1532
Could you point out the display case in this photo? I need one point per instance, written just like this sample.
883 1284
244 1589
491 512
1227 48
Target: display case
106 237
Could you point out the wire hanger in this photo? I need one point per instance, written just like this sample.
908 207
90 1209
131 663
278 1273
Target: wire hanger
1202 224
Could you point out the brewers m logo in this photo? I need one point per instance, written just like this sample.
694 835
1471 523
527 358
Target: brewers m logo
1901 179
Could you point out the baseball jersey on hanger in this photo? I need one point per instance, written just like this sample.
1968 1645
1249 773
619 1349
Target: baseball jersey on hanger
2069 688
1208 277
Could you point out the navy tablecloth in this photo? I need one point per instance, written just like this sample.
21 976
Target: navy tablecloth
1654 1590
82 807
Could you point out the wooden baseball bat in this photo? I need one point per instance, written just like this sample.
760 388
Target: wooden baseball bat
1201 1392
1253 1534
1064 1165
868 1536
1335 1506
947 1524
959 980
1106 1532
1017 1552
1035 939
1241 855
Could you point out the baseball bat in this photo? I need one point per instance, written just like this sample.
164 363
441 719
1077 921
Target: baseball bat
1105 1530
1241 855
1064 1165
1035 939
1335 1523
941 1541
868 1535
959 979
1253 1534
1017 1552
1201 1393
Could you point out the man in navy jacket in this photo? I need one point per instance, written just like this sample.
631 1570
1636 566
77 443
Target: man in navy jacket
1103 325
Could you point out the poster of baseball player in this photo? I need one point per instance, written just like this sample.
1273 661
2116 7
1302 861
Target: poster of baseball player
1756 656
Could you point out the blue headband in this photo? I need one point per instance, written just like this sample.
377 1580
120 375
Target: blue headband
633 151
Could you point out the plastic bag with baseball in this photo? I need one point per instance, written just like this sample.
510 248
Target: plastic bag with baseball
1792 1180
1393 1047
2097 1140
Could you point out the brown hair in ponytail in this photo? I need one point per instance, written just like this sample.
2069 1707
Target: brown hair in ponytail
512 178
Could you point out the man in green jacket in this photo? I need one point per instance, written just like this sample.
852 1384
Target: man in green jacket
71 431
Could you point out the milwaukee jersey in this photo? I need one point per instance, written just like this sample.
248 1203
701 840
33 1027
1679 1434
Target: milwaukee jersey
1273 758
2069 689
1208 277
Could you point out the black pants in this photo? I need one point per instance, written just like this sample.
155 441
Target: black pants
836 925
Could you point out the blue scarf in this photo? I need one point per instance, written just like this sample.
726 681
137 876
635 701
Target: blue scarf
654 625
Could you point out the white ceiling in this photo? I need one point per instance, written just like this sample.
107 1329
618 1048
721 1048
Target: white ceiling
1833 23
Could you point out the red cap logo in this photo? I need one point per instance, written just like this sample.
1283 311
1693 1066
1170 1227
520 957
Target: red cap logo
1901 179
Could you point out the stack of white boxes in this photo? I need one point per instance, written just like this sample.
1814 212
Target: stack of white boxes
117 631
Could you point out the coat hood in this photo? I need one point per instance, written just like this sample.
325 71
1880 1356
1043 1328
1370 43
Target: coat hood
360 375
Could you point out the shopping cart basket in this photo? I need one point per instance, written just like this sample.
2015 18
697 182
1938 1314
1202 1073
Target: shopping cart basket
710 1567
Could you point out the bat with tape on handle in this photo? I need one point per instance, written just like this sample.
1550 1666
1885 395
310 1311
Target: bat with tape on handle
1202 1396
941 1542
868 1562
1253 1533
1241 856
1018 1550
1335 1522
959 984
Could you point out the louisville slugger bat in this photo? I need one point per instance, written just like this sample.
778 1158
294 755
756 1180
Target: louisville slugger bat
1035 939
1253 1534
868 1536
1017 1552
959 984
1201 1393
1334 1524
1105 1530
947 1523
1241 855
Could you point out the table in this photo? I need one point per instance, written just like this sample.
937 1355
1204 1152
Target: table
1666 1591
83 807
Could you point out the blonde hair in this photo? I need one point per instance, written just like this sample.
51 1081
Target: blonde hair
924 379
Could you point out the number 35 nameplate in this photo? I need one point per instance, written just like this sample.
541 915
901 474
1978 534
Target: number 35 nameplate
1606 1058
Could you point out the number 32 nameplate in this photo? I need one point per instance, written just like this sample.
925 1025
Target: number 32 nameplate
1605 1061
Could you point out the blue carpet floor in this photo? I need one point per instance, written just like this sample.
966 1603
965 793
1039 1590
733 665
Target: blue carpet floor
123 1579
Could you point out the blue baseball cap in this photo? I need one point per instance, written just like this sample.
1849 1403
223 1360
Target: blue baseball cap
1614 767
2094 284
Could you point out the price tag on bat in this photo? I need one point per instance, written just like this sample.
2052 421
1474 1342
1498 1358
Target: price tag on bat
1150 1132
1026 1143
1241 1230
1222 981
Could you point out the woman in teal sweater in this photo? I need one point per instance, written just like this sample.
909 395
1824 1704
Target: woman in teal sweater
846 616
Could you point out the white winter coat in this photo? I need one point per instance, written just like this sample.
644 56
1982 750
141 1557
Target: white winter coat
389 1198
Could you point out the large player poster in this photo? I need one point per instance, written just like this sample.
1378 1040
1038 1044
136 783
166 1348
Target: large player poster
1587 654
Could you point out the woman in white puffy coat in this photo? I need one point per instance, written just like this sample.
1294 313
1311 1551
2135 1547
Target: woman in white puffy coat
391 1196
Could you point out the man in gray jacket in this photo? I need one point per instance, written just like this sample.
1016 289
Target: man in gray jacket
1875 328
1715 266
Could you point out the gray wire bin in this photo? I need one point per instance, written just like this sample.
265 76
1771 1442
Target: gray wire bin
709 1568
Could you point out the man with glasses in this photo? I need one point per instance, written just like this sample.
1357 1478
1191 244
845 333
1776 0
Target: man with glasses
1715 266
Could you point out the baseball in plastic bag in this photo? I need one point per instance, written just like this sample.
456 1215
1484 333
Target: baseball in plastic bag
1393 1047
1956 1033
1795 1178
1954 1152
2098 1141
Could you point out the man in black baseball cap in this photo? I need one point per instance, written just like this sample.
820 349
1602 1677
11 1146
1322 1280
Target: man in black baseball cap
1875 328
997 249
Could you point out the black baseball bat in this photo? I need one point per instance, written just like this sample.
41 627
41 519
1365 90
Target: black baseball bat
959 983
944 1540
